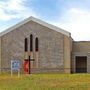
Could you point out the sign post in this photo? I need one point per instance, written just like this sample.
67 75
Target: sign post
29 66
15 66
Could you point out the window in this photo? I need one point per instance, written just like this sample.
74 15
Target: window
31 42
26 45
36 44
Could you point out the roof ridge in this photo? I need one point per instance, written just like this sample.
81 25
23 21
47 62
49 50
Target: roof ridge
31 18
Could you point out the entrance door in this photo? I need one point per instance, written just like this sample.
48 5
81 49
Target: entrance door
81 64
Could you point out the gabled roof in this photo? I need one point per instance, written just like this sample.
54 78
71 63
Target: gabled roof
37 21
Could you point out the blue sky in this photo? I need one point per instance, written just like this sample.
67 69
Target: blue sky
71 15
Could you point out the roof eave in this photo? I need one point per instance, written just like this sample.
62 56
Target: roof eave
37 21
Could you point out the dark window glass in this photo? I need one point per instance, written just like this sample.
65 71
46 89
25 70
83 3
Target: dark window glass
36 44
26 45
31 42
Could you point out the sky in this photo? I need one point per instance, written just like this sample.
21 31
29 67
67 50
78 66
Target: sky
70 15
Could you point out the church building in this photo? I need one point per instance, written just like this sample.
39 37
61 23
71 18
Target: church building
51 49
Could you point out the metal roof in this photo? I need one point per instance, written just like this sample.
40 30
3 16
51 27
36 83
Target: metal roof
37 21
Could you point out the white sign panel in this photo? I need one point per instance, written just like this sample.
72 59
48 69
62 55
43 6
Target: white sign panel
15 65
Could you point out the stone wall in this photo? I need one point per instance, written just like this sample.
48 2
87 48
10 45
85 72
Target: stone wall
0 55
50 46
81 48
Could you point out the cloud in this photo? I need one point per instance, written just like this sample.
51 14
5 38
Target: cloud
73 18
76 21
15 9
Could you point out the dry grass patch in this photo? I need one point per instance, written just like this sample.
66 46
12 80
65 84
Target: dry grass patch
45 82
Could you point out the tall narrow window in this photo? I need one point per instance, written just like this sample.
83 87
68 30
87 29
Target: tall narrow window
31 42
36 52
36 44
26 45
26 55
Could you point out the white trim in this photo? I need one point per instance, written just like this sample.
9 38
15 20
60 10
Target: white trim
37 21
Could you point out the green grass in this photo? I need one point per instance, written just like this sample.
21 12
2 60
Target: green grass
45 82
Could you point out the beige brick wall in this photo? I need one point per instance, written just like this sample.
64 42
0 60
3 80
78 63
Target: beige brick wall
51 46
0 54
81 48
67 54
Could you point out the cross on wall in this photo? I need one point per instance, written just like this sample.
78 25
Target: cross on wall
29 58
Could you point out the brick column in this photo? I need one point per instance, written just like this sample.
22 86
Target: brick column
67 55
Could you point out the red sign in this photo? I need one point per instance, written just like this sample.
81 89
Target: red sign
26 66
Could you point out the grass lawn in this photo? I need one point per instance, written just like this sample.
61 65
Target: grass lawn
45 82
